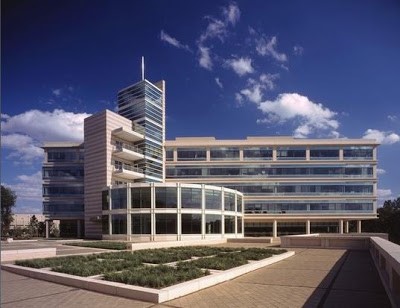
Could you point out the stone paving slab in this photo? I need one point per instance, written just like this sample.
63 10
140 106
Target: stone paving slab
19 291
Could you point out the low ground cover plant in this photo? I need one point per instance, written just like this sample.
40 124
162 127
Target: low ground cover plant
158 277
129 266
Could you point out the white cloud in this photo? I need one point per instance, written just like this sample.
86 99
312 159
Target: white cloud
392 118
239 99
255 88
22 147
205 58
241 66
28 189
381 136
24 133
380 171
217 28
384 193
231 13
298 50
253 94
313 117
267 47
219 83
173 41
56 92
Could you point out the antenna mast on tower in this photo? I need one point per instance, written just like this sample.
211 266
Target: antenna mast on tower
142 68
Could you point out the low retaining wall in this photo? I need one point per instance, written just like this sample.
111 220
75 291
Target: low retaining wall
141 293
154 245
20 254
326 241
386 256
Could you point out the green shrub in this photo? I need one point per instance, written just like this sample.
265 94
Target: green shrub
158 277
221 261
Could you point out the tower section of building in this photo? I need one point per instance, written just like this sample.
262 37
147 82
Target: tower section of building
290 185
144 104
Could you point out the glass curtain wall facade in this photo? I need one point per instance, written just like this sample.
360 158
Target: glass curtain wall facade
143 103
63 187
286 182
160 212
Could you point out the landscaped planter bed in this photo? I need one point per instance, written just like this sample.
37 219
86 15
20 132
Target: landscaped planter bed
125 274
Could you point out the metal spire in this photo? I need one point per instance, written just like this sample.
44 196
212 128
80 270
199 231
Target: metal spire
142 68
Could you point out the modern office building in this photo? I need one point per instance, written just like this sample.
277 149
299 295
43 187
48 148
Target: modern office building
127 182
63 186
290 185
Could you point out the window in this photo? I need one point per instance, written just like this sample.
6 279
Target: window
365 153
105 224
169 155
166 197
105 200
324 153
118 198
256 153
229 201
213 199
224 153
118 224
191 198
239 203
141 197
229 222
291 153
239 225
166 223
213 224
141 223
191 223
191 154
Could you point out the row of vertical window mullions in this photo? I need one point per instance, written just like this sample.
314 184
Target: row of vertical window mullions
166 197
167 224
285 153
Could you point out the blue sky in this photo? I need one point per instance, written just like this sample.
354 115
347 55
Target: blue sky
324 69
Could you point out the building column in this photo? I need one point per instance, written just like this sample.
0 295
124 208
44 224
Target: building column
47 228
275 229
78 228
346 227
308 227
341 226
359 226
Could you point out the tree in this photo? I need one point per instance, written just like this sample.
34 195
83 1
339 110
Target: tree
388 221
33 226
8 199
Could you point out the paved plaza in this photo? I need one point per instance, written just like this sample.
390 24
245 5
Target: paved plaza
311 278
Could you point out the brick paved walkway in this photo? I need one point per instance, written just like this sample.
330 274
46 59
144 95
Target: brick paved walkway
311 278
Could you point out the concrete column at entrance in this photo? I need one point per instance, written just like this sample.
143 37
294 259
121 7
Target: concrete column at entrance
308 227
346 227
275 229
47 228
359 226
341 226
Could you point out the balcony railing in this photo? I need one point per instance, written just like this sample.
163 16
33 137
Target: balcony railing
130 147
138 128
128 167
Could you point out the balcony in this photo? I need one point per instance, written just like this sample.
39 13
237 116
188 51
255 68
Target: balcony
128 152
133 135
128 172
